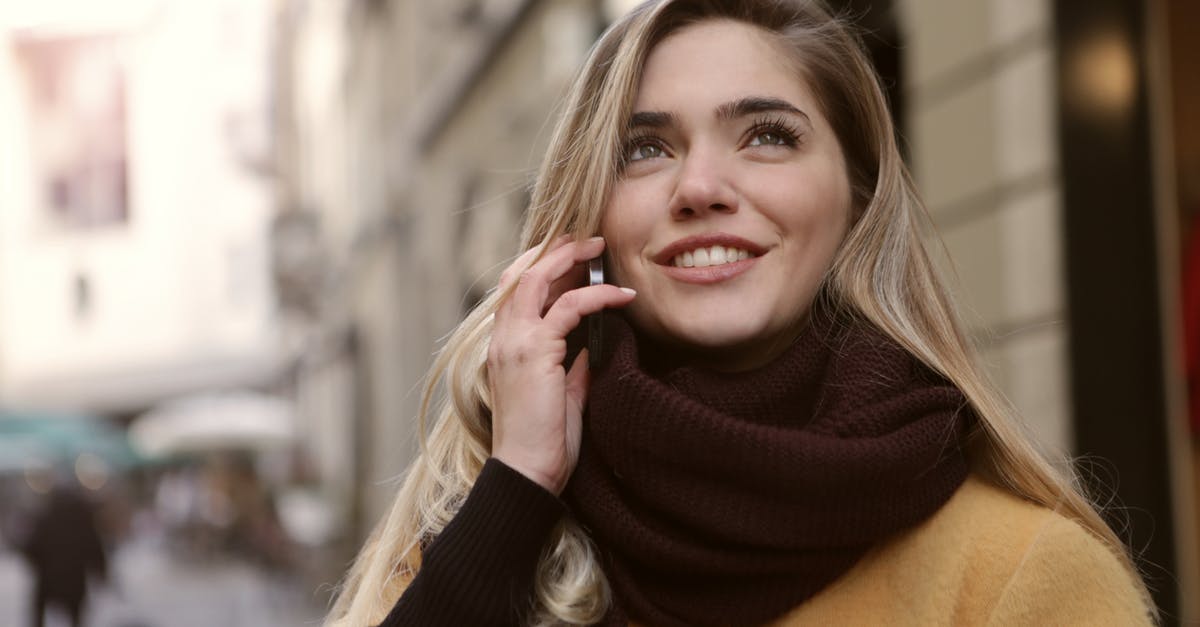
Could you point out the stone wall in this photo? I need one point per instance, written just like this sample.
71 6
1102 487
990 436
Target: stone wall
982 132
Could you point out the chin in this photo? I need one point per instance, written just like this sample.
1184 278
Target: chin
720 335
717 339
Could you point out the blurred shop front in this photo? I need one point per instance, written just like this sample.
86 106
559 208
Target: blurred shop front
1130 146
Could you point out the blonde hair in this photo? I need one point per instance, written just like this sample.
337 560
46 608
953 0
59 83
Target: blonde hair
882 274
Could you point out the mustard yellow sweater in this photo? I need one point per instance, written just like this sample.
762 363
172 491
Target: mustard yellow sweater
986 558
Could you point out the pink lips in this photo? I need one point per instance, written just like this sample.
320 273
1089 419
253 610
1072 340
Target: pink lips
665 255
709 274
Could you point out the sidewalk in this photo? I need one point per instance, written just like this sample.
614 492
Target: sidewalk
149 588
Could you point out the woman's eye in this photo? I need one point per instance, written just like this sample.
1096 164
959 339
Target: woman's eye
770 138
645 151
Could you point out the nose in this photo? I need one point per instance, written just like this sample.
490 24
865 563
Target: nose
703 185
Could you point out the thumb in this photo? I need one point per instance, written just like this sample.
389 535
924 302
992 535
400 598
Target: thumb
577 388
577 381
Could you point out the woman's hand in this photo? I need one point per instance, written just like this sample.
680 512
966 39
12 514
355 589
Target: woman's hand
536 405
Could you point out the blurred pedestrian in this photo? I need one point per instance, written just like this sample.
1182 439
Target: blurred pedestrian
63 547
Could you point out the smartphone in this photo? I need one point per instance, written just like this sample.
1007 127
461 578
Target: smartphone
590 331
595 321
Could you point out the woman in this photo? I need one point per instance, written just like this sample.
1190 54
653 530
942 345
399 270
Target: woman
787 425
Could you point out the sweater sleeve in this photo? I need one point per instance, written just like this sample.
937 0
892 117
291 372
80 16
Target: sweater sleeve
480 570
1069 577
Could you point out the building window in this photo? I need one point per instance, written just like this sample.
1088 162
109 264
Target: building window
77 126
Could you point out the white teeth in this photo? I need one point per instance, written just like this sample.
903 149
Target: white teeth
711 256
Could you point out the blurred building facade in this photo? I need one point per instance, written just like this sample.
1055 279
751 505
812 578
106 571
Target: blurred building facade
134 207
406 154
984 151
407 133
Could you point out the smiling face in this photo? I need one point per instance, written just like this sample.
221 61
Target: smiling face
734 198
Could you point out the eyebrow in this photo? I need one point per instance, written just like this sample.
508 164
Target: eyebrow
726 111
651 119
756 104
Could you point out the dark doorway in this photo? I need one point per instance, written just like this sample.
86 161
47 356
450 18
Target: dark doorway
1114 289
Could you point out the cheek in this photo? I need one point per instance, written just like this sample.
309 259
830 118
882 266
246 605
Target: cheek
625 227
815 204
811 222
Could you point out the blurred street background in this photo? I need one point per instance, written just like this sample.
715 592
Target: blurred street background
232 232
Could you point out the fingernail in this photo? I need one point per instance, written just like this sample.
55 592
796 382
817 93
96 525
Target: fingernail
629 290
597 238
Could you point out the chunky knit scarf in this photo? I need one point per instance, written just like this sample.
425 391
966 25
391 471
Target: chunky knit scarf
728 499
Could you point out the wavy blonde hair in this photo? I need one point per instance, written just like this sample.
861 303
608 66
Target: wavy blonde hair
882 273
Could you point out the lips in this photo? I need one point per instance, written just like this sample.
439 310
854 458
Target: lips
710 258
708 242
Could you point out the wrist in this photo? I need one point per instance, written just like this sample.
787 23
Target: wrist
551 482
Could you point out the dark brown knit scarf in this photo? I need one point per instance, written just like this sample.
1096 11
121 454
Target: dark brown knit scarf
729 499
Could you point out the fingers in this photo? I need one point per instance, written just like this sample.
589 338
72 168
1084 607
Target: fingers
574 278
536 406
513 273
533 287
572 306
514 269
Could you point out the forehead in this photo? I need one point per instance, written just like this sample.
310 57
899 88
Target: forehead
719 60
